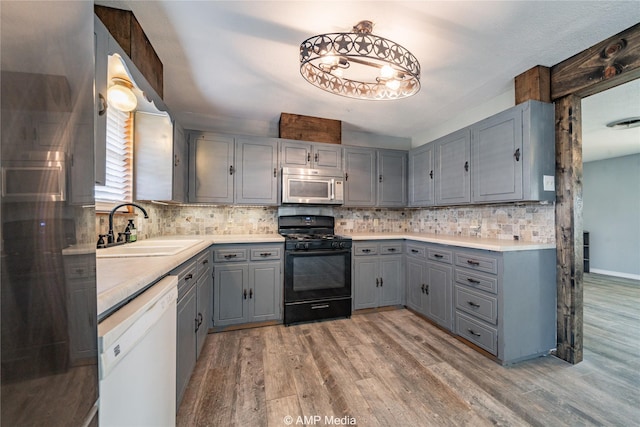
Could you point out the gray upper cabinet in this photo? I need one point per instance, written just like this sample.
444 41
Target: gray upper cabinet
226 169
256 174
421 176
360 174
392 178
513 155
159 158
375 177
211 168
453 176
302 154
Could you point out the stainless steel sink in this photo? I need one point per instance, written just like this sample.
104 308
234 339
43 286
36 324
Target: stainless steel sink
147 248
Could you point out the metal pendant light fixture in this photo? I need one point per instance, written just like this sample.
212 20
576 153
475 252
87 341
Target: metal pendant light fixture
360 65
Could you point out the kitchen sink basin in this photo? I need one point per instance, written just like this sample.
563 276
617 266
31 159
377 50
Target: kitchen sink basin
146 248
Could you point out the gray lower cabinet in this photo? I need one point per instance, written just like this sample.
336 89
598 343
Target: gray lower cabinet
247 283
375 177
195 283
378 274
429 282
505 302
227 169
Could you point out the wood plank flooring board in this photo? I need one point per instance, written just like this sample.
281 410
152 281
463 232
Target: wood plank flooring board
393 368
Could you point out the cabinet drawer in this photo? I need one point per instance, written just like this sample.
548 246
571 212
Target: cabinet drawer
79 267
186 276
478 263
417 251
478 333
365 249
390 248
439 255
230 254
482 306
203 263
265 253
477 281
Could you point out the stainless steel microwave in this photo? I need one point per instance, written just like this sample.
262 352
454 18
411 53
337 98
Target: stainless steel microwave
34 176
312 186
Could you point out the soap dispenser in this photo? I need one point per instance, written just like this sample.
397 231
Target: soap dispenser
133 236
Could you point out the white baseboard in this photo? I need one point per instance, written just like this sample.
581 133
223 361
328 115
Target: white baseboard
615 274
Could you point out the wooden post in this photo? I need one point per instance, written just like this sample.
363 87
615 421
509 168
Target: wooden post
569 228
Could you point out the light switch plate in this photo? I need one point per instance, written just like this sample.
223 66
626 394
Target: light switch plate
549 182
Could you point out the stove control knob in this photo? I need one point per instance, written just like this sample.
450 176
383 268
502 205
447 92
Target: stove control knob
335 245
342 245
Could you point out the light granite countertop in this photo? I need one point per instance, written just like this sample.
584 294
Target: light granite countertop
118 279
496 245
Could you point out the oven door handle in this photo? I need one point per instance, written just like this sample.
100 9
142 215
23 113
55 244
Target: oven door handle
319 252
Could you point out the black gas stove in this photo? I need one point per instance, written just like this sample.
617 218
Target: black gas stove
317 270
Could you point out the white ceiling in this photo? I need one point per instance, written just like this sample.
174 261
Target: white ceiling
233 65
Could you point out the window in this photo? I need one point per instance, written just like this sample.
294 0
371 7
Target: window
119 177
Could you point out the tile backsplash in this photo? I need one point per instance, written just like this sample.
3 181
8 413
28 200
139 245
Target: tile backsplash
528 222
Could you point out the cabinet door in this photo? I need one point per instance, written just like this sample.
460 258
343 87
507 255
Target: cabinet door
101 41
497 157
295 154
453 168
327 156
265 291
421 176
211 169
204 290
390 280
186 341
180 166
415 282
392 178
439 294
360 184
366 282
256 171
81 189
230 283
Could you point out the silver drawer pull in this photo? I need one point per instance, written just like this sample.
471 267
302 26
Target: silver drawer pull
474 333
473 304
315 307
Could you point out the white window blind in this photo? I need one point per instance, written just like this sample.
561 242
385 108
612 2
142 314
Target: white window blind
119 177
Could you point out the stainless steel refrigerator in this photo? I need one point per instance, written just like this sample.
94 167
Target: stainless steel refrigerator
49 369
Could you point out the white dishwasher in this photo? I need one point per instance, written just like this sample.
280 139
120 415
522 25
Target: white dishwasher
137 346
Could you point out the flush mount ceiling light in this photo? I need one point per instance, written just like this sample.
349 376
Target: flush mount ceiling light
360 65
631 122
120 95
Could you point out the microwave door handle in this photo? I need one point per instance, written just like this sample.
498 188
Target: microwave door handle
332 185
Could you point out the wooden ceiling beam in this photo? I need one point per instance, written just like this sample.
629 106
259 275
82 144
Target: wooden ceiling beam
609 63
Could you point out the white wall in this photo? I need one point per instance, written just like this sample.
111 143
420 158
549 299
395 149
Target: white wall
467 117
611 214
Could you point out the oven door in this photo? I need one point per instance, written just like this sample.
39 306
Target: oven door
314 275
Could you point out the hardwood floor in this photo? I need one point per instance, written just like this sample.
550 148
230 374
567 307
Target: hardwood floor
392 368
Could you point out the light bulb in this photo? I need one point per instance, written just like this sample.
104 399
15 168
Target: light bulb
393 84
121 96
387 71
